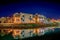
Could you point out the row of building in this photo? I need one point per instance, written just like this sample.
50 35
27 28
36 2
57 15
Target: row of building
24 18
19 18
25 33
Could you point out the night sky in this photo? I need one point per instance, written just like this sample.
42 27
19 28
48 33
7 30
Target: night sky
49 9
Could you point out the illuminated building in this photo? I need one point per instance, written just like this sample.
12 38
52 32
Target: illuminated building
28 18
25 33
23 18
19 18
3 20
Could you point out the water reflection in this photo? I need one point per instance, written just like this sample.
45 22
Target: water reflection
25 33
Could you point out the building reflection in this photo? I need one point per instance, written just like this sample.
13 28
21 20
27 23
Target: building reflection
24 18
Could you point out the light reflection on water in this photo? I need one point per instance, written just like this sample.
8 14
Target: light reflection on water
43 32
52 30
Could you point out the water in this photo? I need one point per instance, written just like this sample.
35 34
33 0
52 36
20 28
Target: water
54 30
47 31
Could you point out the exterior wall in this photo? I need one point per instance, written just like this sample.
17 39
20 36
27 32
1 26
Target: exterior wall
16 33
53 20
2 19
41 18
6 20
23 18
9 20
40 31
24 33
16 18
26 18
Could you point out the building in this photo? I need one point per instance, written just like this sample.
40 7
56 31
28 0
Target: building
28 18
19 18
25 33
53 20
3 20
23 18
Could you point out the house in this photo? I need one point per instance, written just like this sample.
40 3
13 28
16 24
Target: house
23 18
19 18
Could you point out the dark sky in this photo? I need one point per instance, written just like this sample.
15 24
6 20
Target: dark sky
49 9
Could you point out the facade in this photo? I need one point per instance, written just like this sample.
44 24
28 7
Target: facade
19 18
23 18
3 20
55 21
25 33
6 20
28 18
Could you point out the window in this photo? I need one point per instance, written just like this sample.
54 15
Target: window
4 21
22 32
23 16
23 35
31 33
30 18
22 19
0 21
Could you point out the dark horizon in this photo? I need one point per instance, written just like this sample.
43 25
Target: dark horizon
48 9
